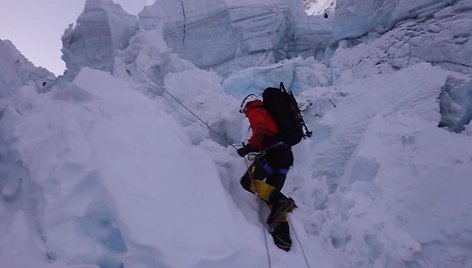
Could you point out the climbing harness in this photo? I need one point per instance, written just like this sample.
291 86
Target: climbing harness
250 169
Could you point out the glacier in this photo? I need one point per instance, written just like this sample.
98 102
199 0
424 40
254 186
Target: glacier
105 167
102 29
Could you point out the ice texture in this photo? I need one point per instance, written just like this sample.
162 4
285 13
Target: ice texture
102 29
356 18
18 71
199 31
129 159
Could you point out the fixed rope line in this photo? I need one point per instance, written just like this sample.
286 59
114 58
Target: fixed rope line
184 116
289 221
299 242
269 263
217 133
251 176
186 108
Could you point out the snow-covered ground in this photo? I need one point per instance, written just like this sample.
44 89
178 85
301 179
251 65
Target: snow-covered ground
103 168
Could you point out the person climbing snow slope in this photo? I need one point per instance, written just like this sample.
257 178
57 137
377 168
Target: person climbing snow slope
266 175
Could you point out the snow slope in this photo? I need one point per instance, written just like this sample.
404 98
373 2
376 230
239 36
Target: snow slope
389 186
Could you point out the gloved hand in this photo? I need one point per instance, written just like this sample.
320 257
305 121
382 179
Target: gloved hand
243 151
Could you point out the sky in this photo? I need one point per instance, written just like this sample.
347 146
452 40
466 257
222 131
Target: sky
36 27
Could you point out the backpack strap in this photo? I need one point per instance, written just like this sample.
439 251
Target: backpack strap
270 171
307 133
277 144
283 171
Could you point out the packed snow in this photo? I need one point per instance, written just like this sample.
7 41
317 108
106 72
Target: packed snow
128 159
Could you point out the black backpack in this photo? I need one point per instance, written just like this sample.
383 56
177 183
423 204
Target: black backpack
284 109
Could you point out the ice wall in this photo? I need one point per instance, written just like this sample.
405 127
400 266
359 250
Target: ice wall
100 175
211 34
276 30
356 18
102 29
443 39
434 31
262 29
199 31
234 35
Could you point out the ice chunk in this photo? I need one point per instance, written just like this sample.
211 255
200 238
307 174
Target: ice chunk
456 104
102 29
148 52
232 36
298 75
356 18
444 42
17 71
200 31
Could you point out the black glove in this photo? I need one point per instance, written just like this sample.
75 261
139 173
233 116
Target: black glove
243 151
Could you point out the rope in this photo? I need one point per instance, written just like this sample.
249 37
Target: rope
221 136
186 108
290 224
299 242
269 263
251 176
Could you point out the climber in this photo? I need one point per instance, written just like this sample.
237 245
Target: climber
266 175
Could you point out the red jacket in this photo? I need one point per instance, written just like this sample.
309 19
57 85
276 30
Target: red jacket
262 124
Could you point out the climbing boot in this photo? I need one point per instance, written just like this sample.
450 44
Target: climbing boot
279 210
281 236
